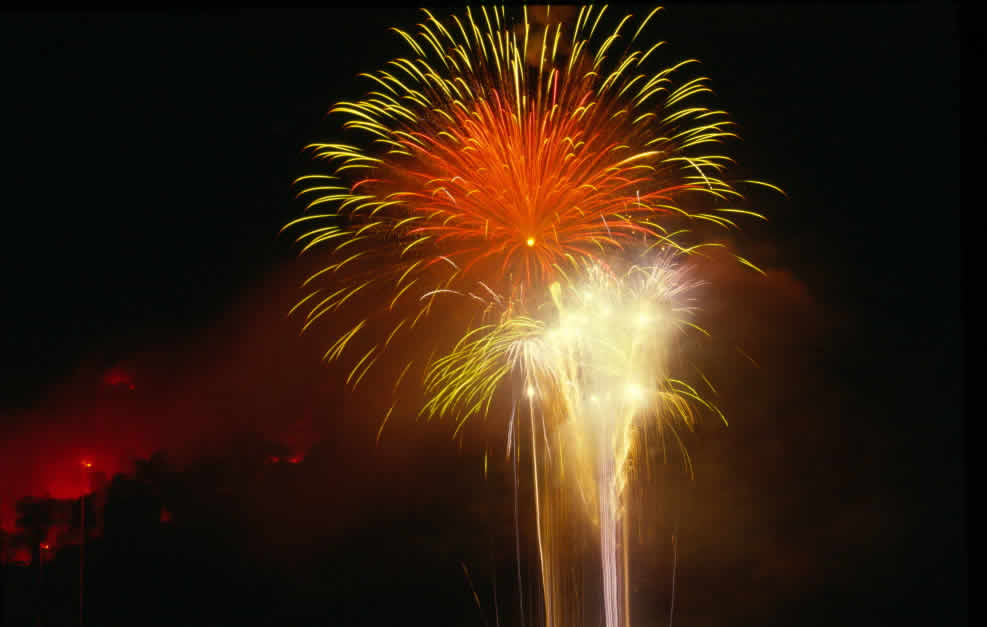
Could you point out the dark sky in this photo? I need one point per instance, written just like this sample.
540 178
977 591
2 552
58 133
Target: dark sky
148 161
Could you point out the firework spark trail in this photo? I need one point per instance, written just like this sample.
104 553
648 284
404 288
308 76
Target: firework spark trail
517 526
606 483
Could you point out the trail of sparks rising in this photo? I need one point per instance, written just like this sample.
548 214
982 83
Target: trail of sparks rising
504 154
594 377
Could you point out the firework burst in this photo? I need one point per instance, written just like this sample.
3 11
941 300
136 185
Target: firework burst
499 158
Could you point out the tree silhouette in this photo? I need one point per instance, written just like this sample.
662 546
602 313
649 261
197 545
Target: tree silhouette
35 517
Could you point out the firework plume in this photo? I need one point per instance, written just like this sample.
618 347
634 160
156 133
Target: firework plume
595 375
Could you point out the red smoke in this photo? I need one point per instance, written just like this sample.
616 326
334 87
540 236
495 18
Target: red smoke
247 372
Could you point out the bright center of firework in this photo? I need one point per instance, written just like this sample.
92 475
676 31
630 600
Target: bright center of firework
634 392
530 241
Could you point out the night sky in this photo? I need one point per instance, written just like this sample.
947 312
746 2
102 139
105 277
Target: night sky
148 162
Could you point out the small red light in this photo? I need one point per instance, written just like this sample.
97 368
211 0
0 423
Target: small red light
294 460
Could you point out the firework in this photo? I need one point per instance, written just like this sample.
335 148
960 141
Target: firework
504 164
498 156
593 376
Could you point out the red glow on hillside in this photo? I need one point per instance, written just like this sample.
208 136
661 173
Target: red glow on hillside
192 400
119 376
